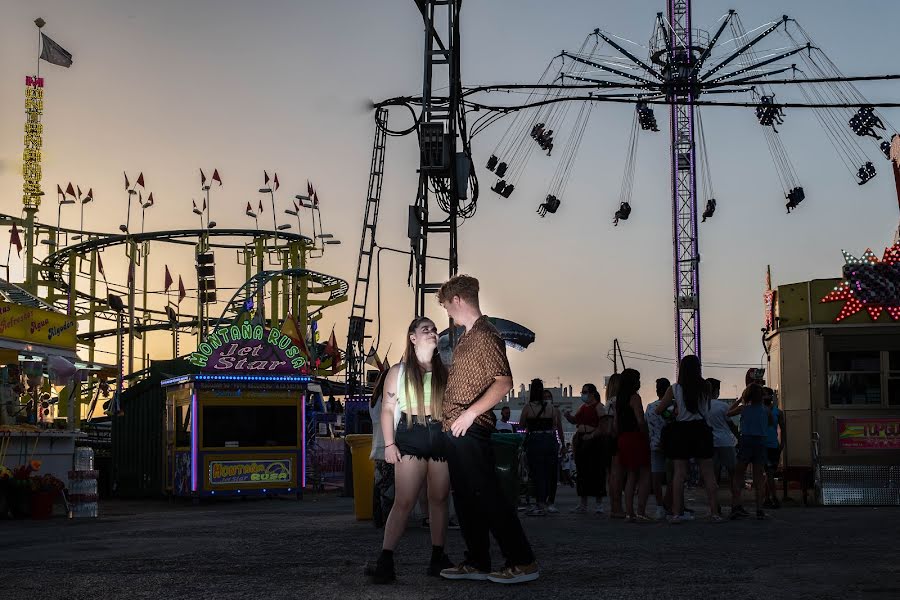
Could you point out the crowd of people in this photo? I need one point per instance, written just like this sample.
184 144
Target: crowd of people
432 438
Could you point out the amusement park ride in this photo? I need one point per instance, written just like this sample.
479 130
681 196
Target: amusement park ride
684 70
64 271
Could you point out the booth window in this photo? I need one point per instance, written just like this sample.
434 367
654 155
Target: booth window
249 426
893 383
183 426
854 378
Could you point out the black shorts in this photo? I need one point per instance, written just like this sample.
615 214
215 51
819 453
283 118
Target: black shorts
422 438
688 439
773 457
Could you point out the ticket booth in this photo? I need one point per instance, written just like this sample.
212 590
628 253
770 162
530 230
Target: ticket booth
239 426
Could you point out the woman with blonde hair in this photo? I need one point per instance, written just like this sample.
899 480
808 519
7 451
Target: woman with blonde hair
413 443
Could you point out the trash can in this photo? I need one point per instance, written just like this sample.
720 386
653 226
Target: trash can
506 463
363 474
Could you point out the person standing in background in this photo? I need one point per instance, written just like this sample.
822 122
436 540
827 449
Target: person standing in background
724 454
774 446
589 447
655 425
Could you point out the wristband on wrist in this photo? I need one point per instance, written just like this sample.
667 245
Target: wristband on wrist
389 445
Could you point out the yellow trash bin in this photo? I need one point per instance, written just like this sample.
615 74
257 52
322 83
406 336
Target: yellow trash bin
363 474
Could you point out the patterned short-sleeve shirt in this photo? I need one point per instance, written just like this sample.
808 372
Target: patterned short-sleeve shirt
479 358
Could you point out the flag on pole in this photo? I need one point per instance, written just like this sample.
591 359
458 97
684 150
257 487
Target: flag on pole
277 185
289 328
70 190
296 206
373 361
100 266
250 210
90 194
181 291
59 191
15 239
204 204
54 54
309 190
127 183
260 208
216 177
316 199
149 201
169 281
202 178
331 346
266 177
79 191
140 179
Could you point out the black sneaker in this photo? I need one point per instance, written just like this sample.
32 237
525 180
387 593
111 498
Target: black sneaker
436 566
383 572
738 512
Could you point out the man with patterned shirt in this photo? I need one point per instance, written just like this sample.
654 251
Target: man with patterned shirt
479 378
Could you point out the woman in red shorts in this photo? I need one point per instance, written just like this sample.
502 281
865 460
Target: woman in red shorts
633 445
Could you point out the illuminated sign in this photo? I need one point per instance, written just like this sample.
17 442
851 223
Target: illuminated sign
34 130
868 434
229 472
870 284
248 348
36 326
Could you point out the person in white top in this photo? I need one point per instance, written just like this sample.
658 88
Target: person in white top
503 425
691 436
724 440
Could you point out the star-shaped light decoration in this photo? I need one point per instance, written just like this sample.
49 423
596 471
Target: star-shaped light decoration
869 284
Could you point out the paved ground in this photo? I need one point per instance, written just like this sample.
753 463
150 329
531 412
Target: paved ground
279 548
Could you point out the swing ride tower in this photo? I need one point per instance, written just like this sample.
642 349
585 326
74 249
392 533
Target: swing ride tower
680 58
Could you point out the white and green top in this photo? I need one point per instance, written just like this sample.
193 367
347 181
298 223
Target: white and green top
402 402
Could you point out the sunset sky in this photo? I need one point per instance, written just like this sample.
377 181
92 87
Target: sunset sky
171 86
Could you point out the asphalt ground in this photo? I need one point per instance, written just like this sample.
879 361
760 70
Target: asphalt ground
314 548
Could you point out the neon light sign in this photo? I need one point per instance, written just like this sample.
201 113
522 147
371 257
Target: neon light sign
248 348
869 284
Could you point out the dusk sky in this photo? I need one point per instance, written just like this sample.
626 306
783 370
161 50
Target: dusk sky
171 86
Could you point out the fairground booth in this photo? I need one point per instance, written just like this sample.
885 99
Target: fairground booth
238 427
834 361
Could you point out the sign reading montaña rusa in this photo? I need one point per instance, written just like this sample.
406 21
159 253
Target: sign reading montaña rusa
248 349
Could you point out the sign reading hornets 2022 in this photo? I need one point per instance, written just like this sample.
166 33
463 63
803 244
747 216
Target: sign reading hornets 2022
248 348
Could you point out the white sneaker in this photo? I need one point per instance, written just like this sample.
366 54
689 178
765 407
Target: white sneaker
660 513
552 509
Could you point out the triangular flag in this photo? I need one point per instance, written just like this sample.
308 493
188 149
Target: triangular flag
55 54
181 292
194 203
127 183
216 177
90 194
331 345
290 329
386 365
260 208
70 190
15 240
140 179
309 189
249 210
202 178
149 201
296 206
373 361
204 204
79 191
277 185
266 177
316 199
169 281
59 191
100 266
